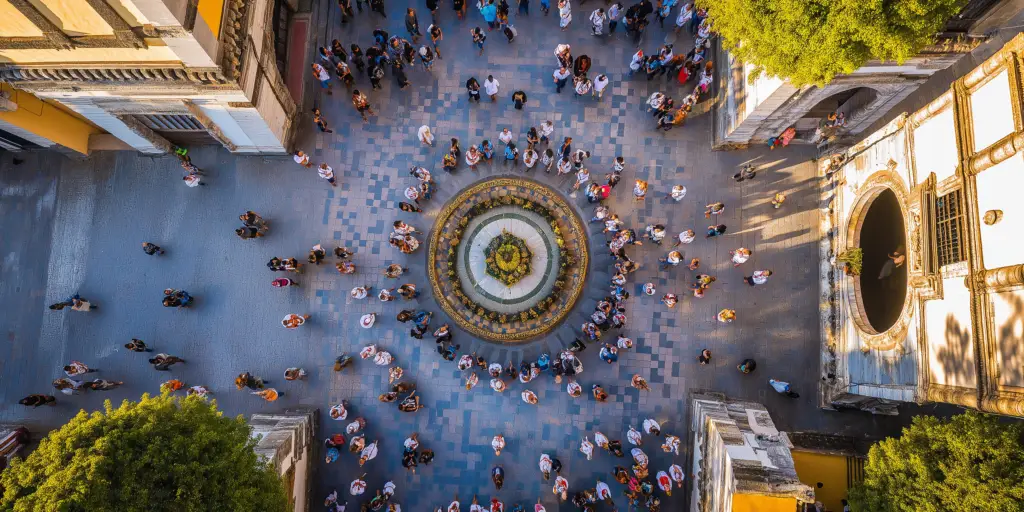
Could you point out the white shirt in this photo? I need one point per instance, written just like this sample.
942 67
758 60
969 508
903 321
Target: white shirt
613 13
322 74
685 237
301 159
760 277
600 84
530 158
583 176
564 166
491 87
546 129
597 17
678 192
561 76
425 134
505 137
326 172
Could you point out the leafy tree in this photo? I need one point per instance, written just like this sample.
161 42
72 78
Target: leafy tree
970 462
811 41
158 454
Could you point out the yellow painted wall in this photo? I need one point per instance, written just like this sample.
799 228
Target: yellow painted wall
48 121
74 17
758 503
82 56
15 24
830 470
211 11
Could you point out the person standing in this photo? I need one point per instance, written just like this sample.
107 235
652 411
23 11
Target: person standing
137 345
564 14
326 172
473 87
412 25
519 99
302 159
613 17
597 19
491 87
600 84
435 37
478 38
362 104
425 136
323 76
546 129
151 249
512 155
561 76
490 13
321 123
426 57
378 7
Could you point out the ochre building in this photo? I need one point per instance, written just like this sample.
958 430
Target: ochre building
142 74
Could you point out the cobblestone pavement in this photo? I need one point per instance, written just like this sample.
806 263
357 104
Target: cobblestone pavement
76 226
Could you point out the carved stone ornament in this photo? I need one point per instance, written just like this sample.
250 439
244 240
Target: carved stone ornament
992 216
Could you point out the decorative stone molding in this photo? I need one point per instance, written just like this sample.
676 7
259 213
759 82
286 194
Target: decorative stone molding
210 126
997 280
996 154
992 217
112 74
123 32
1010 404
235 31
143 131
953 395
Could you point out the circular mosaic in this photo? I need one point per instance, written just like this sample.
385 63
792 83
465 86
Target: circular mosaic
507 259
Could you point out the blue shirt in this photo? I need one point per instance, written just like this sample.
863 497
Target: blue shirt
490 13
510 153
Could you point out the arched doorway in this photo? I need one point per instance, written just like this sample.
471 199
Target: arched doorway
883 286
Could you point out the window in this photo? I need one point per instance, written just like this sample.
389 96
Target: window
948 226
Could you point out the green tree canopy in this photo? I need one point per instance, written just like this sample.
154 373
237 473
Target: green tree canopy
159 454
811 41
969 463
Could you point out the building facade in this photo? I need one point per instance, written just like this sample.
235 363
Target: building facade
750 111
741 462
143 74
928 206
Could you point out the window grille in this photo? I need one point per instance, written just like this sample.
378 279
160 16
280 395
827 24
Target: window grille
948 228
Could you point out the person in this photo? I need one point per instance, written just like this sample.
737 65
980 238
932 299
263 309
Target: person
530 158
269 394
597 19
726 315
327 172
564 14
137 345
714 231
640 383
478 39
406 207
759 277
491 87
425 136
740 256
511 154
323 76
640 190
302 159
412 25
704 357
599 86
637 62
896 260
489 11
38 400
426 57
583 85
599 393
151 249
292 320
163 362
747 173
473 87
378 7
519 99
294 374
102 385
529 397
362 104
783 388
498 477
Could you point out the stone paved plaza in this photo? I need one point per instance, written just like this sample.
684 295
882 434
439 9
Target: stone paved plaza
76 226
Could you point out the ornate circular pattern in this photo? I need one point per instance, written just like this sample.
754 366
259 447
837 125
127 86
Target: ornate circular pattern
507 259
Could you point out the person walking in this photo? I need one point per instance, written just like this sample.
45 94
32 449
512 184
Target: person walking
320 122
478 38
564 14
327 172
491 87
747 366
705 357
613 17
783 388
151 249
38 400
746 173
490 13
714 231
759 277
436 35
137 345
163 362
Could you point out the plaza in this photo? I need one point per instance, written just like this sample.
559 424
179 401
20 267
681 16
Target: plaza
76 225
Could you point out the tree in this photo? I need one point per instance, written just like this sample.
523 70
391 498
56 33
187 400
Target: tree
811 41
158 454
970 462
